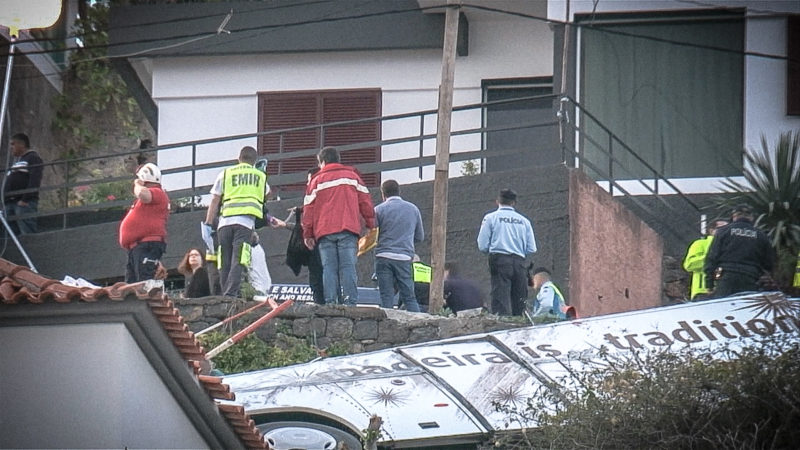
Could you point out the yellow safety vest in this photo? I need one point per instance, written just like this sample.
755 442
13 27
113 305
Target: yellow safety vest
796 282
422 272
694 262
243 191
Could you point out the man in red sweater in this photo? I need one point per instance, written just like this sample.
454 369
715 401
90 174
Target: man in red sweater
335 205
143 231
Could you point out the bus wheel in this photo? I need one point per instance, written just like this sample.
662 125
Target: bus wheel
306 435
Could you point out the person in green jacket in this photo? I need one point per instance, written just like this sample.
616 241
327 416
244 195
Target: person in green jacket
695 260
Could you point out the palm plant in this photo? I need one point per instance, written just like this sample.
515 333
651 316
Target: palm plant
772 189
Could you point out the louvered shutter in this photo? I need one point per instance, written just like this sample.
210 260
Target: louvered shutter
346 106
283 111
286 110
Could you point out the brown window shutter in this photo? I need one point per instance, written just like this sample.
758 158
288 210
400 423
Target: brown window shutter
286 110
352 106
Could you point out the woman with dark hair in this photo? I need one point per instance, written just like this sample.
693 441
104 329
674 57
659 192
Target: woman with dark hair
191 266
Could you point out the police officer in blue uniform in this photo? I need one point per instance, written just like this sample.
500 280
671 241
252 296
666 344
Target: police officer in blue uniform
507 236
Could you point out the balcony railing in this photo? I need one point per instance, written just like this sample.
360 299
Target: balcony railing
68 204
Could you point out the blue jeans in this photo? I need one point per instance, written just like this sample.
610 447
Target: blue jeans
22 226
339 279
391 272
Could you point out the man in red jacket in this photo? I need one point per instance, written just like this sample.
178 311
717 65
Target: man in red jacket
143 231
334 207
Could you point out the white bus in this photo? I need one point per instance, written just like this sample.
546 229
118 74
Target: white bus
445 393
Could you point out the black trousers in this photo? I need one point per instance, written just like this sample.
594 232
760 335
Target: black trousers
143 260
731 283
232 238
509 284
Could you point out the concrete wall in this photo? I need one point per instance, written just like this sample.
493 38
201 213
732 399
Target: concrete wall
615 257
591 243
92 252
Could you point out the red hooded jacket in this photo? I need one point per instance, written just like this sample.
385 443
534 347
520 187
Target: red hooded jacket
336 200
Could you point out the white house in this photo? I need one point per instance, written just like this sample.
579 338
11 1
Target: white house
685 85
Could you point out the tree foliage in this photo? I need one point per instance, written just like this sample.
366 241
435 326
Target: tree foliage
744 399
95 97
772 189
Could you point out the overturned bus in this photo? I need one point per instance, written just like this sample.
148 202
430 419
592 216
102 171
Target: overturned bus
446 392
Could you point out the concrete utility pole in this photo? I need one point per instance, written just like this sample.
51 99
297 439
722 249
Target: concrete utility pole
440 180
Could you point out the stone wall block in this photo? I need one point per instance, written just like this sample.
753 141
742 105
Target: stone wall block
365 329
194 327
339 328
324 342
355 348
198 301
218 310
377 346
308 326
423 334
451 327
191 313
392 332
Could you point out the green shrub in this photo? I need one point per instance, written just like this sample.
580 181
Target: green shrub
251 353
749 399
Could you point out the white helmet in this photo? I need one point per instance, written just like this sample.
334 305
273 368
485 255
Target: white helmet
149 173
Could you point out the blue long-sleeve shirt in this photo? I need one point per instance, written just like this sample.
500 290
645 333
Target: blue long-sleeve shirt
506 231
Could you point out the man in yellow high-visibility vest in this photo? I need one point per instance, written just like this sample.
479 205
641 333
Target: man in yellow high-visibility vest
796 282
695 260
238 196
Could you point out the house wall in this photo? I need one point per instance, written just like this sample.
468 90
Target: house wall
205 97
85 386
615 262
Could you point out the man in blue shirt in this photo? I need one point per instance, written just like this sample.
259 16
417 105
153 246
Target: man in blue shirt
399 226
507 236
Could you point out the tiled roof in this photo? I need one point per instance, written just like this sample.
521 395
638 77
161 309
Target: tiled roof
18 284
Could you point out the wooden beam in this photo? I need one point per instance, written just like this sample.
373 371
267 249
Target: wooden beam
441 171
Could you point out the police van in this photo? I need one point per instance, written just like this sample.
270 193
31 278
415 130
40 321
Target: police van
445 393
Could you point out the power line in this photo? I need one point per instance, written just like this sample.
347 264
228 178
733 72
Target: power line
169 21
633 35
327 19
190 38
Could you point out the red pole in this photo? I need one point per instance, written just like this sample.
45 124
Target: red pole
249 329
268 301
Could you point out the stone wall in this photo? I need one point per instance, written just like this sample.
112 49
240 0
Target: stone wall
360 329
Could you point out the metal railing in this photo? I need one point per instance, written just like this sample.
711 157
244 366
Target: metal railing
575 140
600 152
